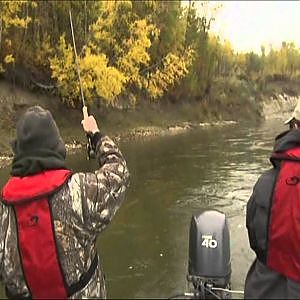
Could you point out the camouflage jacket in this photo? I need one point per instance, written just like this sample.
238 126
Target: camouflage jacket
90 200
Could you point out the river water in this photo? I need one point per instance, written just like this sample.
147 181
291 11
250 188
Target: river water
145 249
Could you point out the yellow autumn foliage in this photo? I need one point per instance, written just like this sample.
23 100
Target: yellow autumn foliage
9 59
45 51
97 78
111 67
9 11
64 71
174 68
128 50
137 56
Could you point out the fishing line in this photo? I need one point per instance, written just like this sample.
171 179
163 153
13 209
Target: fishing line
76 58
91 153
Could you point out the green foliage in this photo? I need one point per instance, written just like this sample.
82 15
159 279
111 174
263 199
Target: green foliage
13 22
117 60
253 64
98 79
174 68
131 51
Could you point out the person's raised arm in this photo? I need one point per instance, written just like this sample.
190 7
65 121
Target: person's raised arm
103 191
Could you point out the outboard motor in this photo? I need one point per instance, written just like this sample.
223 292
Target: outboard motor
209 267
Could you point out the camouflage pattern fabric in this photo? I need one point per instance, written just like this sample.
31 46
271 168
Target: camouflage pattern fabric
81 210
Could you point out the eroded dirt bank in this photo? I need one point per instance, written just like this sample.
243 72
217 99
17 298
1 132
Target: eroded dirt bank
142 122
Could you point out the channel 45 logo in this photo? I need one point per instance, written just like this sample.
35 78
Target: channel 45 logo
209 242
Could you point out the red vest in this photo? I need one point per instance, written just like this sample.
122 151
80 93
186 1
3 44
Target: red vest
284 225
29 197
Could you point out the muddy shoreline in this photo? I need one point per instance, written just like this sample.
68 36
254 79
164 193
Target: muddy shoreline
136 133
143 122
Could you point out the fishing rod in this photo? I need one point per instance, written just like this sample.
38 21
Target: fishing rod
91 153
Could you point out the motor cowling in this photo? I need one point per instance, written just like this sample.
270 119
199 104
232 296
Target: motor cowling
209 263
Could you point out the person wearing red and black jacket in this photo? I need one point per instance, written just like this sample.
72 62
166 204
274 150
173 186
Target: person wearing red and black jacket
51 216
273 221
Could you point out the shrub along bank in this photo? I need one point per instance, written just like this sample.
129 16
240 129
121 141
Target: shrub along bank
230 100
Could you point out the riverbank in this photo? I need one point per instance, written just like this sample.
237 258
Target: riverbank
146 120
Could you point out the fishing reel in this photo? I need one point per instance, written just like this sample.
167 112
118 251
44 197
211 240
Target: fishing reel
91 153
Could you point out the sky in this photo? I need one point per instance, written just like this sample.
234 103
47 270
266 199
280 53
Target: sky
249 24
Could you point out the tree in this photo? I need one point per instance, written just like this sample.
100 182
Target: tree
14 21
116 61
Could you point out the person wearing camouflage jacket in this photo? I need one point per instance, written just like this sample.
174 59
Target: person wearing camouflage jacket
80 209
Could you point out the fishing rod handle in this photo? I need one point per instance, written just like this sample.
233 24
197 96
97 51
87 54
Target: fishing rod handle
91 152
90 126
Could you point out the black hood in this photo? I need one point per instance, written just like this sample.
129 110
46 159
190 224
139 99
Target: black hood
283 142
287 140
38 145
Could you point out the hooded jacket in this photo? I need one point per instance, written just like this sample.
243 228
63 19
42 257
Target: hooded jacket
80 209
262 282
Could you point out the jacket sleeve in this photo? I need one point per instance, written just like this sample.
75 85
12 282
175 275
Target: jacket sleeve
258 213
103 191
4 212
